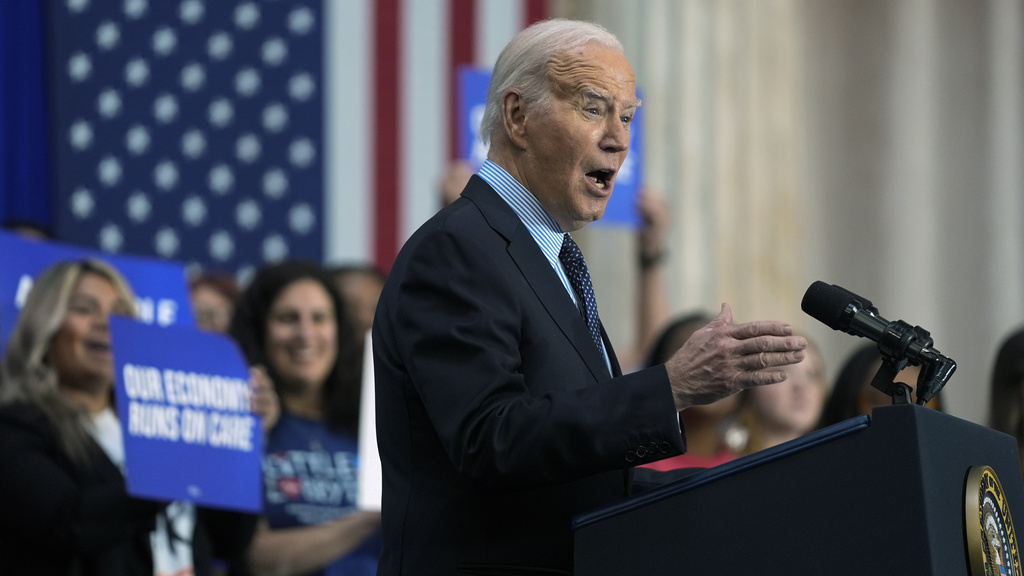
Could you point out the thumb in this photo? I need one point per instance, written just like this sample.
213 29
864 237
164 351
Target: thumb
724 317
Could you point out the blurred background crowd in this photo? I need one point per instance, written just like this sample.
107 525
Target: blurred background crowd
293 145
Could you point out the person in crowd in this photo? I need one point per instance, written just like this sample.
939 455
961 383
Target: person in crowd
706 425
65 508
292 321
1007 399
27 229
360 286
771 415
502 411
853 395
453 180
213 296
652 306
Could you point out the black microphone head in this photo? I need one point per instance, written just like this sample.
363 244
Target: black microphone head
828 303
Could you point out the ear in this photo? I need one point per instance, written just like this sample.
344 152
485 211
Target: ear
513 114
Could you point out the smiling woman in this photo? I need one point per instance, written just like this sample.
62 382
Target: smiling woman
292 321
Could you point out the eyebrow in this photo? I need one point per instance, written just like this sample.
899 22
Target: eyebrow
589 92
81 296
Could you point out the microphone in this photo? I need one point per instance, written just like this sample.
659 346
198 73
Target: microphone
897 341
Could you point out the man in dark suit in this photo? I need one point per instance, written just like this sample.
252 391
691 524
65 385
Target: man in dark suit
501 408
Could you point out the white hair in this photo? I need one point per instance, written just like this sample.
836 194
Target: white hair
523 63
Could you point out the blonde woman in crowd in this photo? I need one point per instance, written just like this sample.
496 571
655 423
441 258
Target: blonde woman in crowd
771 415
65 508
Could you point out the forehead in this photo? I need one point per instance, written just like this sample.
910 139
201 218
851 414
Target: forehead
302 292
595 67
208 293
94 284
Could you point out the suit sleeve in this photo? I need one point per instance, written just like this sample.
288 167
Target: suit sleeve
510 399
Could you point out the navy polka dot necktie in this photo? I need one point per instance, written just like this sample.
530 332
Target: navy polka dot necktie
579 277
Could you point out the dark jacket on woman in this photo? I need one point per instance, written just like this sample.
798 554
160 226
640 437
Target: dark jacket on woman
57 518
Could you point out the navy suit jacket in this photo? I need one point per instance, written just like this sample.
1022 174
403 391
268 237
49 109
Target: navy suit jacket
497 419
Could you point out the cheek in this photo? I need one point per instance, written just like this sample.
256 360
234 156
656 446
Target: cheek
277 339
767 397
62 349
331 338
562 156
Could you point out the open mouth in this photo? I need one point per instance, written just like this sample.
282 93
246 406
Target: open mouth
601 178
101 347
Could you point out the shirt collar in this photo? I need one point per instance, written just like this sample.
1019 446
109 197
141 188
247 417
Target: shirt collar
545 231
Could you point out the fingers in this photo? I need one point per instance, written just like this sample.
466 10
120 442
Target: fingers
767 360
763 378
761 328
265 402
769 344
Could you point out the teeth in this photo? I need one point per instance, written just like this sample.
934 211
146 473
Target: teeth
304 355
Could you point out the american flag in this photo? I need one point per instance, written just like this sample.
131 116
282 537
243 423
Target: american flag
230 133
189 130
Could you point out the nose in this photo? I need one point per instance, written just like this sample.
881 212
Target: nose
304 329
101 319
616 137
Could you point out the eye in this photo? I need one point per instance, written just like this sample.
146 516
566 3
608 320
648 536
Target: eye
627 120
120 308
80 305
287 317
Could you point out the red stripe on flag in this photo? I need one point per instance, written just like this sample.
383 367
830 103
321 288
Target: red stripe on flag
462 32
387 120
536 10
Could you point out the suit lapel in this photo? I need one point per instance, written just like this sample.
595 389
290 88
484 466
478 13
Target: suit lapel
536 269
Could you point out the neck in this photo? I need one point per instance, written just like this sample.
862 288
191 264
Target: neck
306 404
95 401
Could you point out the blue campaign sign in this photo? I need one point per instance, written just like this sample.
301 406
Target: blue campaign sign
184 400
621 209
473 83
161 289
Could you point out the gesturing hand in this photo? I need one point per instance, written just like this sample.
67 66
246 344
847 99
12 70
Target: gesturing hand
723 358
265 403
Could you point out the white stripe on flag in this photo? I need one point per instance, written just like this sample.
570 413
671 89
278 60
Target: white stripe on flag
348 114
497 21
425 52
424 110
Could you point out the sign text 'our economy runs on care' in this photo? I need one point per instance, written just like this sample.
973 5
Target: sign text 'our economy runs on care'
191 407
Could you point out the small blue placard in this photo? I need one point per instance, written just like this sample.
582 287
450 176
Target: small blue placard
184 400
473 83
160 286
622 207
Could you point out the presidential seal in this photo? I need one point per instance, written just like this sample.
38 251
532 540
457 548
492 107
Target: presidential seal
991 542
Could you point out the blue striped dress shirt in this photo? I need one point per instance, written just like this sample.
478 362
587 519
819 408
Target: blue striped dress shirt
545 231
